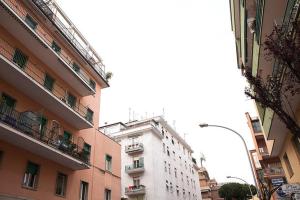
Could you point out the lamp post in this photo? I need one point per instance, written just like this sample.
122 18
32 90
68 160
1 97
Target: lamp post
244 182
203 125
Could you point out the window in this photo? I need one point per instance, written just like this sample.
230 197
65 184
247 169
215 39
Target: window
86 151
30 22
171 187
31 175
71 100
169 168
107 193
138 162
67 136
61 184
180 160
136 181
177 190
256 126
48 82
288 165
168 152
20 58
164 147
8 101
92 84
76 67
174 154
165 166
55 47
84 186
108 162
172 141
182 176
167 185
43 126
175 172
89 115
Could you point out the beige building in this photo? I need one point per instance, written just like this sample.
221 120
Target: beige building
50 88
251 22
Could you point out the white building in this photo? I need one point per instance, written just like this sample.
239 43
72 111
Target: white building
156 162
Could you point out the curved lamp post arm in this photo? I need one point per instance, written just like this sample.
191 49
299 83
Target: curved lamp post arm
246 148
244 182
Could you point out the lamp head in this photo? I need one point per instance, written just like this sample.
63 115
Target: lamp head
228 177
203 125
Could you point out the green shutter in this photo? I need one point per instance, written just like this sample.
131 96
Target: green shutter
71 100
9 101
43 126
32 168
89 115
30 22
55 47
20 58
48 83
108 158
141 162
87 148
92 84
76 67
67 136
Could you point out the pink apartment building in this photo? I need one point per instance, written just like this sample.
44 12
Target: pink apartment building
50 88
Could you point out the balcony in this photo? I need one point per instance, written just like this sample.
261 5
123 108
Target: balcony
30 79
134 148
22 129
135 168
135 190
272 172
13 18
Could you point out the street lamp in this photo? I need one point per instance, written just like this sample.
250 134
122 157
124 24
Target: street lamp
203 125
244 182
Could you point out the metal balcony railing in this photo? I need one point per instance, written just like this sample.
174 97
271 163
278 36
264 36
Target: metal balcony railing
72 35
273 171
137 147
138 189
133 167
38 74
14 5
28 123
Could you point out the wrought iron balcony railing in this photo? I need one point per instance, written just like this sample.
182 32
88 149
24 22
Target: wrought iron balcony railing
71 34
135 189
132 148
134 167
48 39
38 74
29 123
274 171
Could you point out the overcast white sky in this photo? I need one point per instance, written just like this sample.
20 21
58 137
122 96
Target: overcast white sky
178 55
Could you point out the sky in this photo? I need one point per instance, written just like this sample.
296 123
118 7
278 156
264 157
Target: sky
174 58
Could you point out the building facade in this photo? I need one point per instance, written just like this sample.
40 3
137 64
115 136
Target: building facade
209 187
268 169
156 162
252 21
50 88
